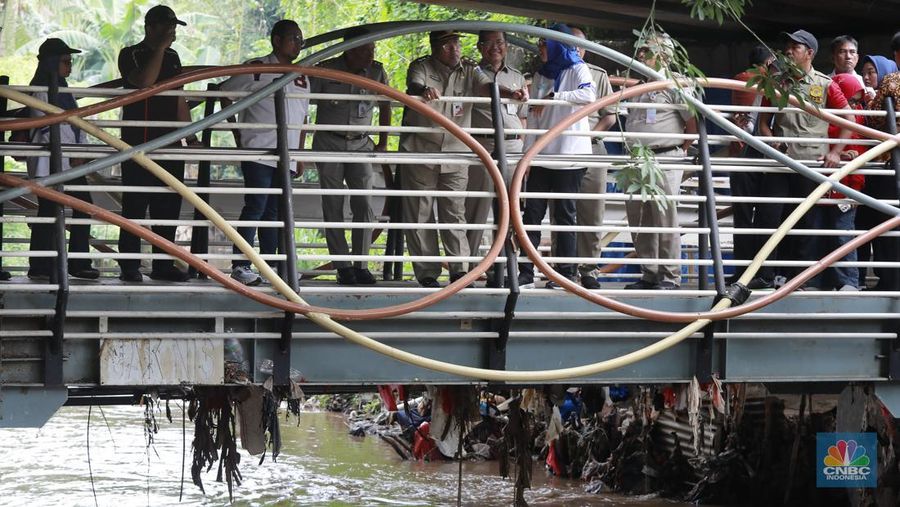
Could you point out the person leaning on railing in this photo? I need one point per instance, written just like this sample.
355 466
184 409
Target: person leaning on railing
493 48
55 57
657 53
146 63
563 76
357 175
287 41
443 73
840 216
801 47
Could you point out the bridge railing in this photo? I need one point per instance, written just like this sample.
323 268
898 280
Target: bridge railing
615 225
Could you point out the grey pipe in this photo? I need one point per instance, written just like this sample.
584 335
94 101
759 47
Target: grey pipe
469 26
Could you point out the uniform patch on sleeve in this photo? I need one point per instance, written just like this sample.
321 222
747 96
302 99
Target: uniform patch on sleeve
585 85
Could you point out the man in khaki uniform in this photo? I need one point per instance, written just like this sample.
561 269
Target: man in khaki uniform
493 47
441 74
801 48
590 211
357 175
666 245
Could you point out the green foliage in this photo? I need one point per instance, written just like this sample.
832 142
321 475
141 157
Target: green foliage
671 58
780 81
641 174
717 10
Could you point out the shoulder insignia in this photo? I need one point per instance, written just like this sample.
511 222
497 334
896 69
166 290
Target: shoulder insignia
466 61
817 94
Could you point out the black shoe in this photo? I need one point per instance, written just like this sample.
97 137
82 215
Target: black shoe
429 283
642 285
459 274
589 282
346 276
364 276
668 286
760 283
553 285
87 274
171 274
42 276
131 275
5 275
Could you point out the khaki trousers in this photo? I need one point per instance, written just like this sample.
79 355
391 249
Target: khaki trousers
658 245
420 209
478 208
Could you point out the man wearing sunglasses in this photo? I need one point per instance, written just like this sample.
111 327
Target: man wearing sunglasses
287 41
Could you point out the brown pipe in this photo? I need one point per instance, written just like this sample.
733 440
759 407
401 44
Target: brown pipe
440 120
518 179
511 201
229 283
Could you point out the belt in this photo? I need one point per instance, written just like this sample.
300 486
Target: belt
507 137
664 149
348 136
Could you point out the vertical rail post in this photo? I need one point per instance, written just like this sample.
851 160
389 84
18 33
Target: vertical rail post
288 247
708 218
200 234
496 349
4 81
53 358
712 221
891 124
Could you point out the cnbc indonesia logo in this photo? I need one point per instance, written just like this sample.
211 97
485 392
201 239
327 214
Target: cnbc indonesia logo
846 462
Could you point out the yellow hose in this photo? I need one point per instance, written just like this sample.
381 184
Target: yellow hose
329 324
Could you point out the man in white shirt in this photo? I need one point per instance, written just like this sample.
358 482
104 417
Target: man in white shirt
287 41
845 56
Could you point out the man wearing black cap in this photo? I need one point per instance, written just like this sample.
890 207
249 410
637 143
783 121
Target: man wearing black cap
801 48
442 73
146 63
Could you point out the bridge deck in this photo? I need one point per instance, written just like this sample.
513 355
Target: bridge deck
806 337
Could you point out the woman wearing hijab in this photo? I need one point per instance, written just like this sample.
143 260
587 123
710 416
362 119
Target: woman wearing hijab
55 62
875 69
563 76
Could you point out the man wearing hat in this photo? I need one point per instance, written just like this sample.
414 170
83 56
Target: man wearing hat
656 53
146 63
55 63
817 88
442 73
493 48
357 175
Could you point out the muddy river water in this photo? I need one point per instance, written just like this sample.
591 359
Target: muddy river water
320 464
